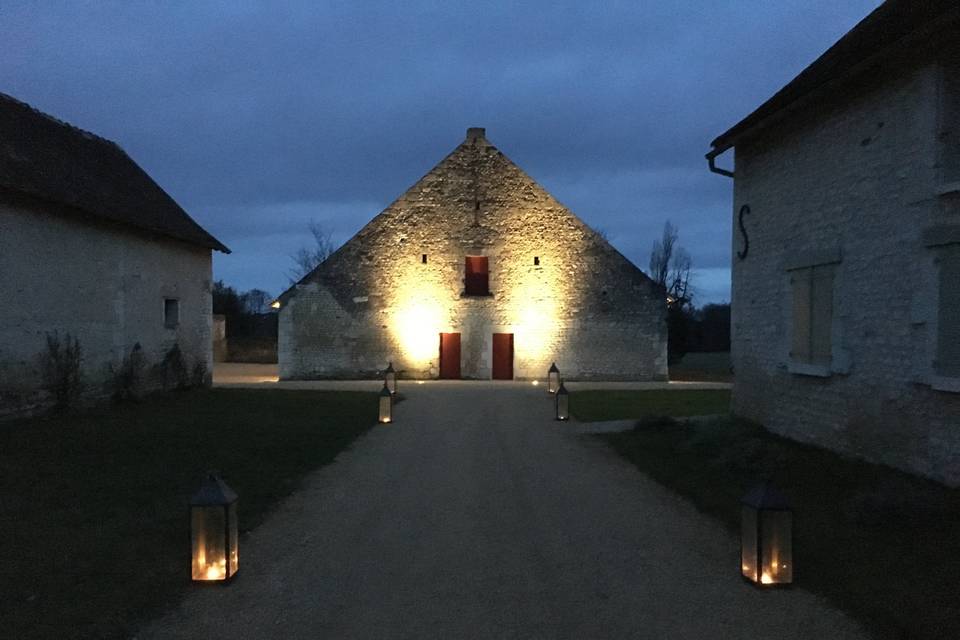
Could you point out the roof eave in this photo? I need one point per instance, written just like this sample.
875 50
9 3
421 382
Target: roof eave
753 123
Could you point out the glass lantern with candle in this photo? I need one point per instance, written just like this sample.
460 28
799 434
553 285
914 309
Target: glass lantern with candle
562 403
390 378
386 405
553 378
766 549
213 531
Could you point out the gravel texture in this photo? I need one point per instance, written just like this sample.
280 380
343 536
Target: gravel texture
476 515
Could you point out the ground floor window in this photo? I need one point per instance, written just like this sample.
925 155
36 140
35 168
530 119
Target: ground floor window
812 293
947 361
171 313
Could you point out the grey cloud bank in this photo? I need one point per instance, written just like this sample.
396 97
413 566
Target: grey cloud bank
258 117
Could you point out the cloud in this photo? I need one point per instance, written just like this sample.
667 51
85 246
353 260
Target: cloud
254 115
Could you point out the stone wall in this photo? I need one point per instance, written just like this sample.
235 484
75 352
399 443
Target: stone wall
561 289
104 285
855 181
219 336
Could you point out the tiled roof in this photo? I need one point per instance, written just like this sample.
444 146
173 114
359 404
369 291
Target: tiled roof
888 24
48 159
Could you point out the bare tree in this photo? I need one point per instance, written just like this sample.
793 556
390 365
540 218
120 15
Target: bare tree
308 258
256 301
670 266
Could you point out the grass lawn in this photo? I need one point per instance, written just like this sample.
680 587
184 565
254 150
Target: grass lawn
93 508
880 544
712 367
593 406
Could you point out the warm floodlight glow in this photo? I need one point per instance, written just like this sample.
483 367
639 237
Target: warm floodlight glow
275 304
417 327
535 382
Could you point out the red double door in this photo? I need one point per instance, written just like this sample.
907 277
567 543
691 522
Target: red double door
502 356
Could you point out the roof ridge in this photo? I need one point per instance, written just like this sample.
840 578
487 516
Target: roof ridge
54 119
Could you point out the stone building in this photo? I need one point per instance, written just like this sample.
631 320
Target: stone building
91 246
846 267
475 272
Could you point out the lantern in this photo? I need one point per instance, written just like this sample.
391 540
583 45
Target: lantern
213 531
562 402
386 404
390 378
553 378
766 552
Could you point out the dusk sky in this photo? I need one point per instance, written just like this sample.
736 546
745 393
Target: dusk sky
258 117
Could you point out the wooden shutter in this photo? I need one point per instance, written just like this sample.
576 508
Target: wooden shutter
947 362
476 280
821 314
800 280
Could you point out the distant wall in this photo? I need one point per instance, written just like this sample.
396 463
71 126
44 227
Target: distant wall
219 332
104 285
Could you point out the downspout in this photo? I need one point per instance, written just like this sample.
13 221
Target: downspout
711 161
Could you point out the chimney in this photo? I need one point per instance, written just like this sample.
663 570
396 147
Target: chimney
476 133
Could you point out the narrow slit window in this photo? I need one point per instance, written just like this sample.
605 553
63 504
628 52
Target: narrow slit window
536 261
477 276
171 313
423 259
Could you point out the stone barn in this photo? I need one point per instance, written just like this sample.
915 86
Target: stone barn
475 272
846 268
92 247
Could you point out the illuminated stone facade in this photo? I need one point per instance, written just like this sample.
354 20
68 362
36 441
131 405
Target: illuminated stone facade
557 286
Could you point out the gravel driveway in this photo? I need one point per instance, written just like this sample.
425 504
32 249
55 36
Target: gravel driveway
475 515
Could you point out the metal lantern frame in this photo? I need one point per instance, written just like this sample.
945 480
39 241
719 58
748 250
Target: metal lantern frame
385 405
214 531
553 378
390 378
766 538
561 403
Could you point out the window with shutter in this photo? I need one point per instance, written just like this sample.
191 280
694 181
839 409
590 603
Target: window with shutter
476 276
947 361
812 293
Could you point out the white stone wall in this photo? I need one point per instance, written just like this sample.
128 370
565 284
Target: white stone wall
104 285
857 181
584 305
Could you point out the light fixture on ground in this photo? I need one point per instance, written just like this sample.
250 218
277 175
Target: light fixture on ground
390 378
562 402
386 404
766 550
213 531
553 378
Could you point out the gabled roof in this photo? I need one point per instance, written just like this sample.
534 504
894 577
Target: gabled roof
48 159
892 23
474 158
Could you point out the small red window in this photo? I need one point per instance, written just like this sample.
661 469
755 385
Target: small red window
477 280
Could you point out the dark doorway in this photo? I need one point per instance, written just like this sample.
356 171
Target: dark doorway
450 356
502 356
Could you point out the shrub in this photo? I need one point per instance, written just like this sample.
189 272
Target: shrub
199 378
128 380
60 371
173 370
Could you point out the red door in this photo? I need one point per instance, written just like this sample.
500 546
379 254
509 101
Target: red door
503 356
450 356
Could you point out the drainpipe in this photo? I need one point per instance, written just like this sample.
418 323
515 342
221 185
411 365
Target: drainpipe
711 161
